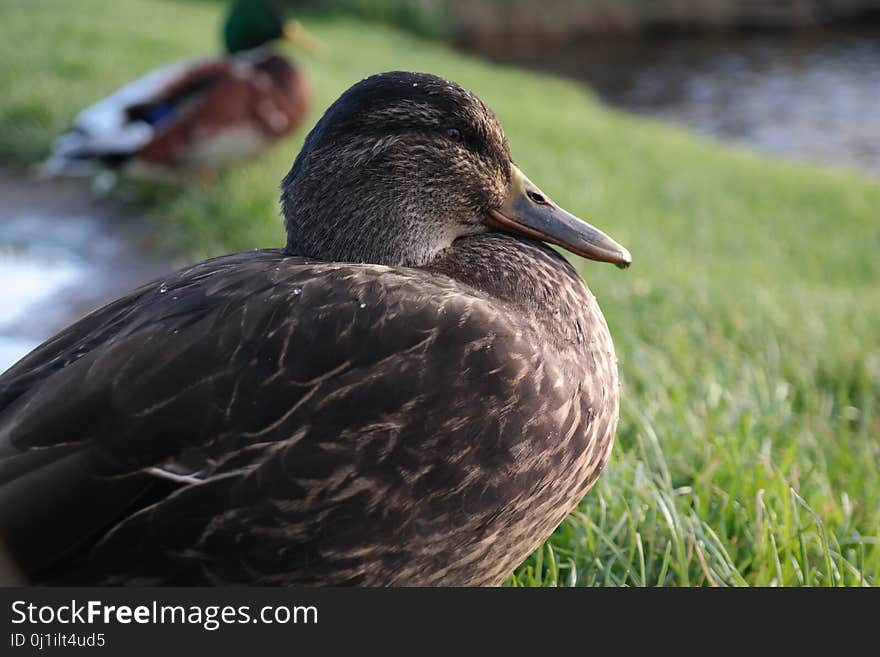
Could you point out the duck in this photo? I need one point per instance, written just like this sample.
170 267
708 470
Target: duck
198 114
415 390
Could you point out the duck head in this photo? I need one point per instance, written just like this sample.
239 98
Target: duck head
253 23
402 165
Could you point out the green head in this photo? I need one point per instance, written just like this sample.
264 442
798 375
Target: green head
253 23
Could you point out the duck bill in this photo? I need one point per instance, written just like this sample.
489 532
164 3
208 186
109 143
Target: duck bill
296 35
528 211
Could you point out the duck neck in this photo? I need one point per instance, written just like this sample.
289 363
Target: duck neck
396 228
408 245
527 276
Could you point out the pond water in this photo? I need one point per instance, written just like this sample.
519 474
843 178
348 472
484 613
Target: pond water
813 96
63 253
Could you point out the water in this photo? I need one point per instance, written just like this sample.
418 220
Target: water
29 280
63 253
813 96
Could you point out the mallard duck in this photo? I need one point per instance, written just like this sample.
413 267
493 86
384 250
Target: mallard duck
415 390
197 114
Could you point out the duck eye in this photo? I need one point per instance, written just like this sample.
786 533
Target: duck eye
453 135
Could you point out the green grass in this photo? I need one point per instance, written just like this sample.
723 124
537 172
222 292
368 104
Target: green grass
747 329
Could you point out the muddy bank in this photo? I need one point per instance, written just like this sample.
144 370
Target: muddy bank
63 253
495 25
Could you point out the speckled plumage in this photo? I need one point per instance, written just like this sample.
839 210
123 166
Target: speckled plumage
271 418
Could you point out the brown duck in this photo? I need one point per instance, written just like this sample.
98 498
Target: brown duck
416 390
201 113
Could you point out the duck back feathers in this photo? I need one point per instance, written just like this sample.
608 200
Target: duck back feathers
365 425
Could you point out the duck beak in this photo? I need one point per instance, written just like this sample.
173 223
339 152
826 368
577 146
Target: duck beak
528 211
295 34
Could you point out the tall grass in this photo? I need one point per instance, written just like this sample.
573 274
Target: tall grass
747 329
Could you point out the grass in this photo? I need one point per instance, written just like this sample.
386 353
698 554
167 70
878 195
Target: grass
747 330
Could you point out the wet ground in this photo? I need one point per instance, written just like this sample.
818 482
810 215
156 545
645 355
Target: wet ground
812 96
63 253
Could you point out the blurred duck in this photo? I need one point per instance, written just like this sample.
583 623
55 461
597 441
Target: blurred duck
416 390
197 114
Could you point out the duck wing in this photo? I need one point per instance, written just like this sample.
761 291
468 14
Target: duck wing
58 484
257 418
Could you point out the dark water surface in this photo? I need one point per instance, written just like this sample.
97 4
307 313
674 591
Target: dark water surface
812 96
